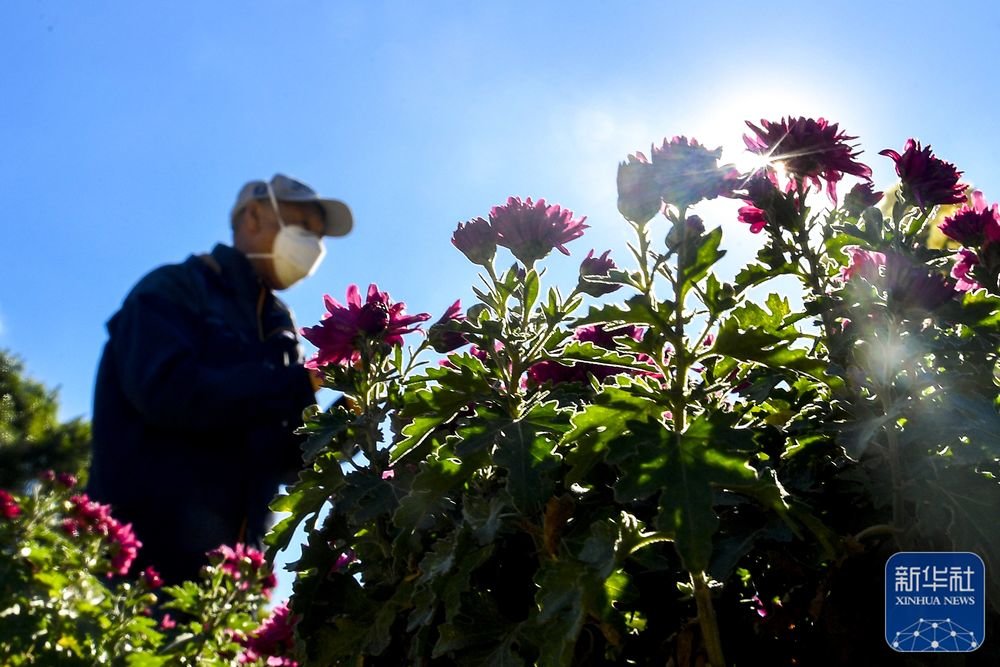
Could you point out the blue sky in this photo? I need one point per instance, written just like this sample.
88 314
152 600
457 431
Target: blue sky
127 128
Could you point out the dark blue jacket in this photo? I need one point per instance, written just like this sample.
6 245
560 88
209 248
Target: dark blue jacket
198 392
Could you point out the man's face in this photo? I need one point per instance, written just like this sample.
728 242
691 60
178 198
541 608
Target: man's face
263 228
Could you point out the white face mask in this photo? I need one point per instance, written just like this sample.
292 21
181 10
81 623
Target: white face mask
296 252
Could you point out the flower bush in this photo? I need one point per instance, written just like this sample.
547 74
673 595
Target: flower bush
690 474
69 594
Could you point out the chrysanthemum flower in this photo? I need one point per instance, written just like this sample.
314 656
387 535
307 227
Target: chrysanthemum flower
810 149
926 180
273 641
686 172
86 516
531 230
9 508
962 269
599 267
477 240
753 216
969 225
344 329
638 194
862 263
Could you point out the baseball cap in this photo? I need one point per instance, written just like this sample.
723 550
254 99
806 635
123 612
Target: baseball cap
338 216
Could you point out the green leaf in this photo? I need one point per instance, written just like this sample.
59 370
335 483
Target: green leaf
560 600
600 423
439 476
684 469
764 336
638 310
590 353
526 456
531 287
707 255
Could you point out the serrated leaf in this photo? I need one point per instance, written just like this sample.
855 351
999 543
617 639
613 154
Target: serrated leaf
637 310
683 469
600 423
705 257
527 457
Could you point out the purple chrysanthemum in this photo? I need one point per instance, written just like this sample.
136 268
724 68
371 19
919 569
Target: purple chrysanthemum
343 329
597 267
531 230
926 180
686 172
810 149
477 240
970 224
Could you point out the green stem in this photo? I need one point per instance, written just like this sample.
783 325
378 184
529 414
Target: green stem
706 618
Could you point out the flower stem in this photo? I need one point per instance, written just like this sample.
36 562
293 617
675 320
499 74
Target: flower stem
707 621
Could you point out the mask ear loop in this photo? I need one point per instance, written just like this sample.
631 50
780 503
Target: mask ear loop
274 203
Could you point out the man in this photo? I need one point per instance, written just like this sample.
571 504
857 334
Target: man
201 383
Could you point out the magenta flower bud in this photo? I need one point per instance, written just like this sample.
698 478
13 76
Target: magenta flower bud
151 578
442 336
638 195
926 180
596 266
477 240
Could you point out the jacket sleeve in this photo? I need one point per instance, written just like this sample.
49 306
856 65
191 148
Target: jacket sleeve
170 377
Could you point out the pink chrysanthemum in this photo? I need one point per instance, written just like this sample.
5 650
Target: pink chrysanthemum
9 508
753 216
963 268
926 180
343 331
810 149
970 225
86 516
862 263
233 560
531 230
273 641
686 172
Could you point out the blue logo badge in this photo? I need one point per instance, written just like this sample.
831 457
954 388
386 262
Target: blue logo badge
935 601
